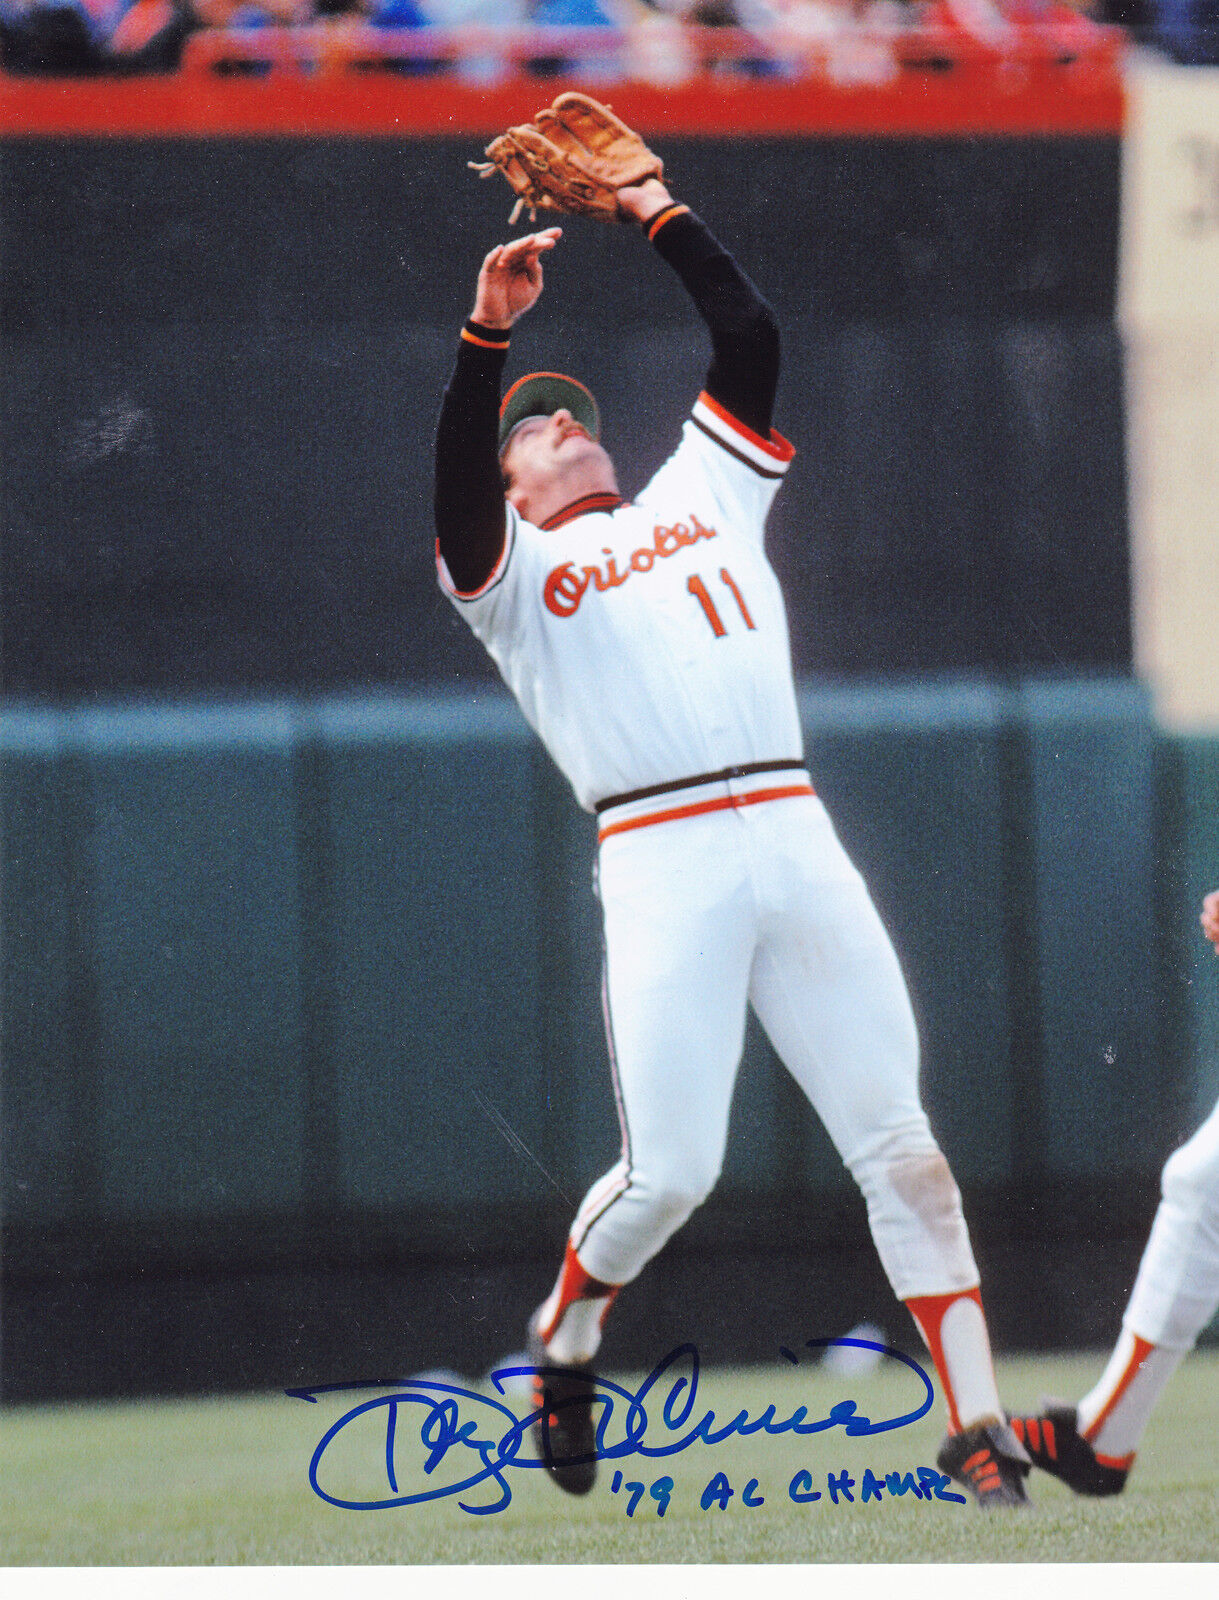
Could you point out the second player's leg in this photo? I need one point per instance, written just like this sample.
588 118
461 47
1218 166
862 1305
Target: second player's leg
1092 1446
1175 1295
1176 1292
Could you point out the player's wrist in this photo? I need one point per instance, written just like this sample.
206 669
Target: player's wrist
489 335
661 217
645 201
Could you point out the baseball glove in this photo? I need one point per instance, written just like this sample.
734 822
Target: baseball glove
574 156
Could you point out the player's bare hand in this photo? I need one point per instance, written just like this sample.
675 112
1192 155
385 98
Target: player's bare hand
510 280
1210 918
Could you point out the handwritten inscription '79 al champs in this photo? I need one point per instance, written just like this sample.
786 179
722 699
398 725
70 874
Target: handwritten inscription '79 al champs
468 1443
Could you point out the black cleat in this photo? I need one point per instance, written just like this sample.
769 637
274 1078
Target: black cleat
1053 1440
563 1423
989 1460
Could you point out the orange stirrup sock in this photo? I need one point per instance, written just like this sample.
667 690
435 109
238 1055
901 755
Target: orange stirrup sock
1112 1417
954 1330
569 1321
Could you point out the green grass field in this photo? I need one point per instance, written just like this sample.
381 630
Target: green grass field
224 1482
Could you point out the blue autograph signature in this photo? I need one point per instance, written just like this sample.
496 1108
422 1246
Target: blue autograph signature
476 1438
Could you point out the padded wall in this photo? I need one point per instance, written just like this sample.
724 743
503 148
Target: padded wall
223 362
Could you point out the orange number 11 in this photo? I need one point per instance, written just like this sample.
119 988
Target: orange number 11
698 589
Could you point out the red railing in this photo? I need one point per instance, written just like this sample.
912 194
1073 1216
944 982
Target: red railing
349 78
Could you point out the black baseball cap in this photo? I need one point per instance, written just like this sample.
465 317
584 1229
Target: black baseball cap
541 394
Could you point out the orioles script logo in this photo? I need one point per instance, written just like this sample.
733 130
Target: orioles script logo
566 586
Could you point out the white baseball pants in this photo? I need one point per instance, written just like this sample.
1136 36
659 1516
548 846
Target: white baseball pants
757 903
1176 1292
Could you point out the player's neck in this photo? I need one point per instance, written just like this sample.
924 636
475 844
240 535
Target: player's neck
539 503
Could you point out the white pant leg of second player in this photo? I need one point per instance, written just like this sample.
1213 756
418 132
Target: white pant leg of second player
1175 1295
1176 1292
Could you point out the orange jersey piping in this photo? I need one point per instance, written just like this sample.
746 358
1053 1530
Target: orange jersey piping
777 447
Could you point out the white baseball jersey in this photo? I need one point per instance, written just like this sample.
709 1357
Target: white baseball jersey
649 643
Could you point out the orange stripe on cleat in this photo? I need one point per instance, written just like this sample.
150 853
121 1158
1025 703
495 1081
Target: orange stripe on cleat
1051 1443
975 1460
1034 1433
1118 1463
985 1485
1017 1426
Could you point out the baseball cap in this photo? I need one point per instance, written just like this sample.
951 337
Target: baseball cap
541 394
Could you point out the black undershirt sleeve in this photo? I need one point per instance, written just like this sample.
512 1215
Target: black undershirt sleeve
468 502
744 370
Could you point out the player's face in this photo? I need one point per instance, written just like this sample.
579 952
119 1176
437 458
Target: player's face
546 452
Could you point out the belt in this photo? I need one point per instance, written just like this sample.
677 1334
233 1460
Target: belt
697 807
722 776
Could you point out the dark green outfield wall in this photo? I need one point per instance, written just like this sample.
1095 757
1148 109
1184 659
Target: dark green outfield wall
309 984
223 362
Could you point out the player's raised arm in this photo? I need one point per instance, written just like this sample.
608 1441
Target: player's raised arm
744 371
469 493
577 157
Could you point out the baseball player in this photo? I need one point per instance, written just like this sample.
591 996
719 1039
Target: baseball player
646 642
1092 1446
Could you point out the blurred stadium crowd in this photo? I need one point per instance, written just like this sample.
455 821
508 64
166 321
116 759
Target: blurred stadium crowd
602 39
